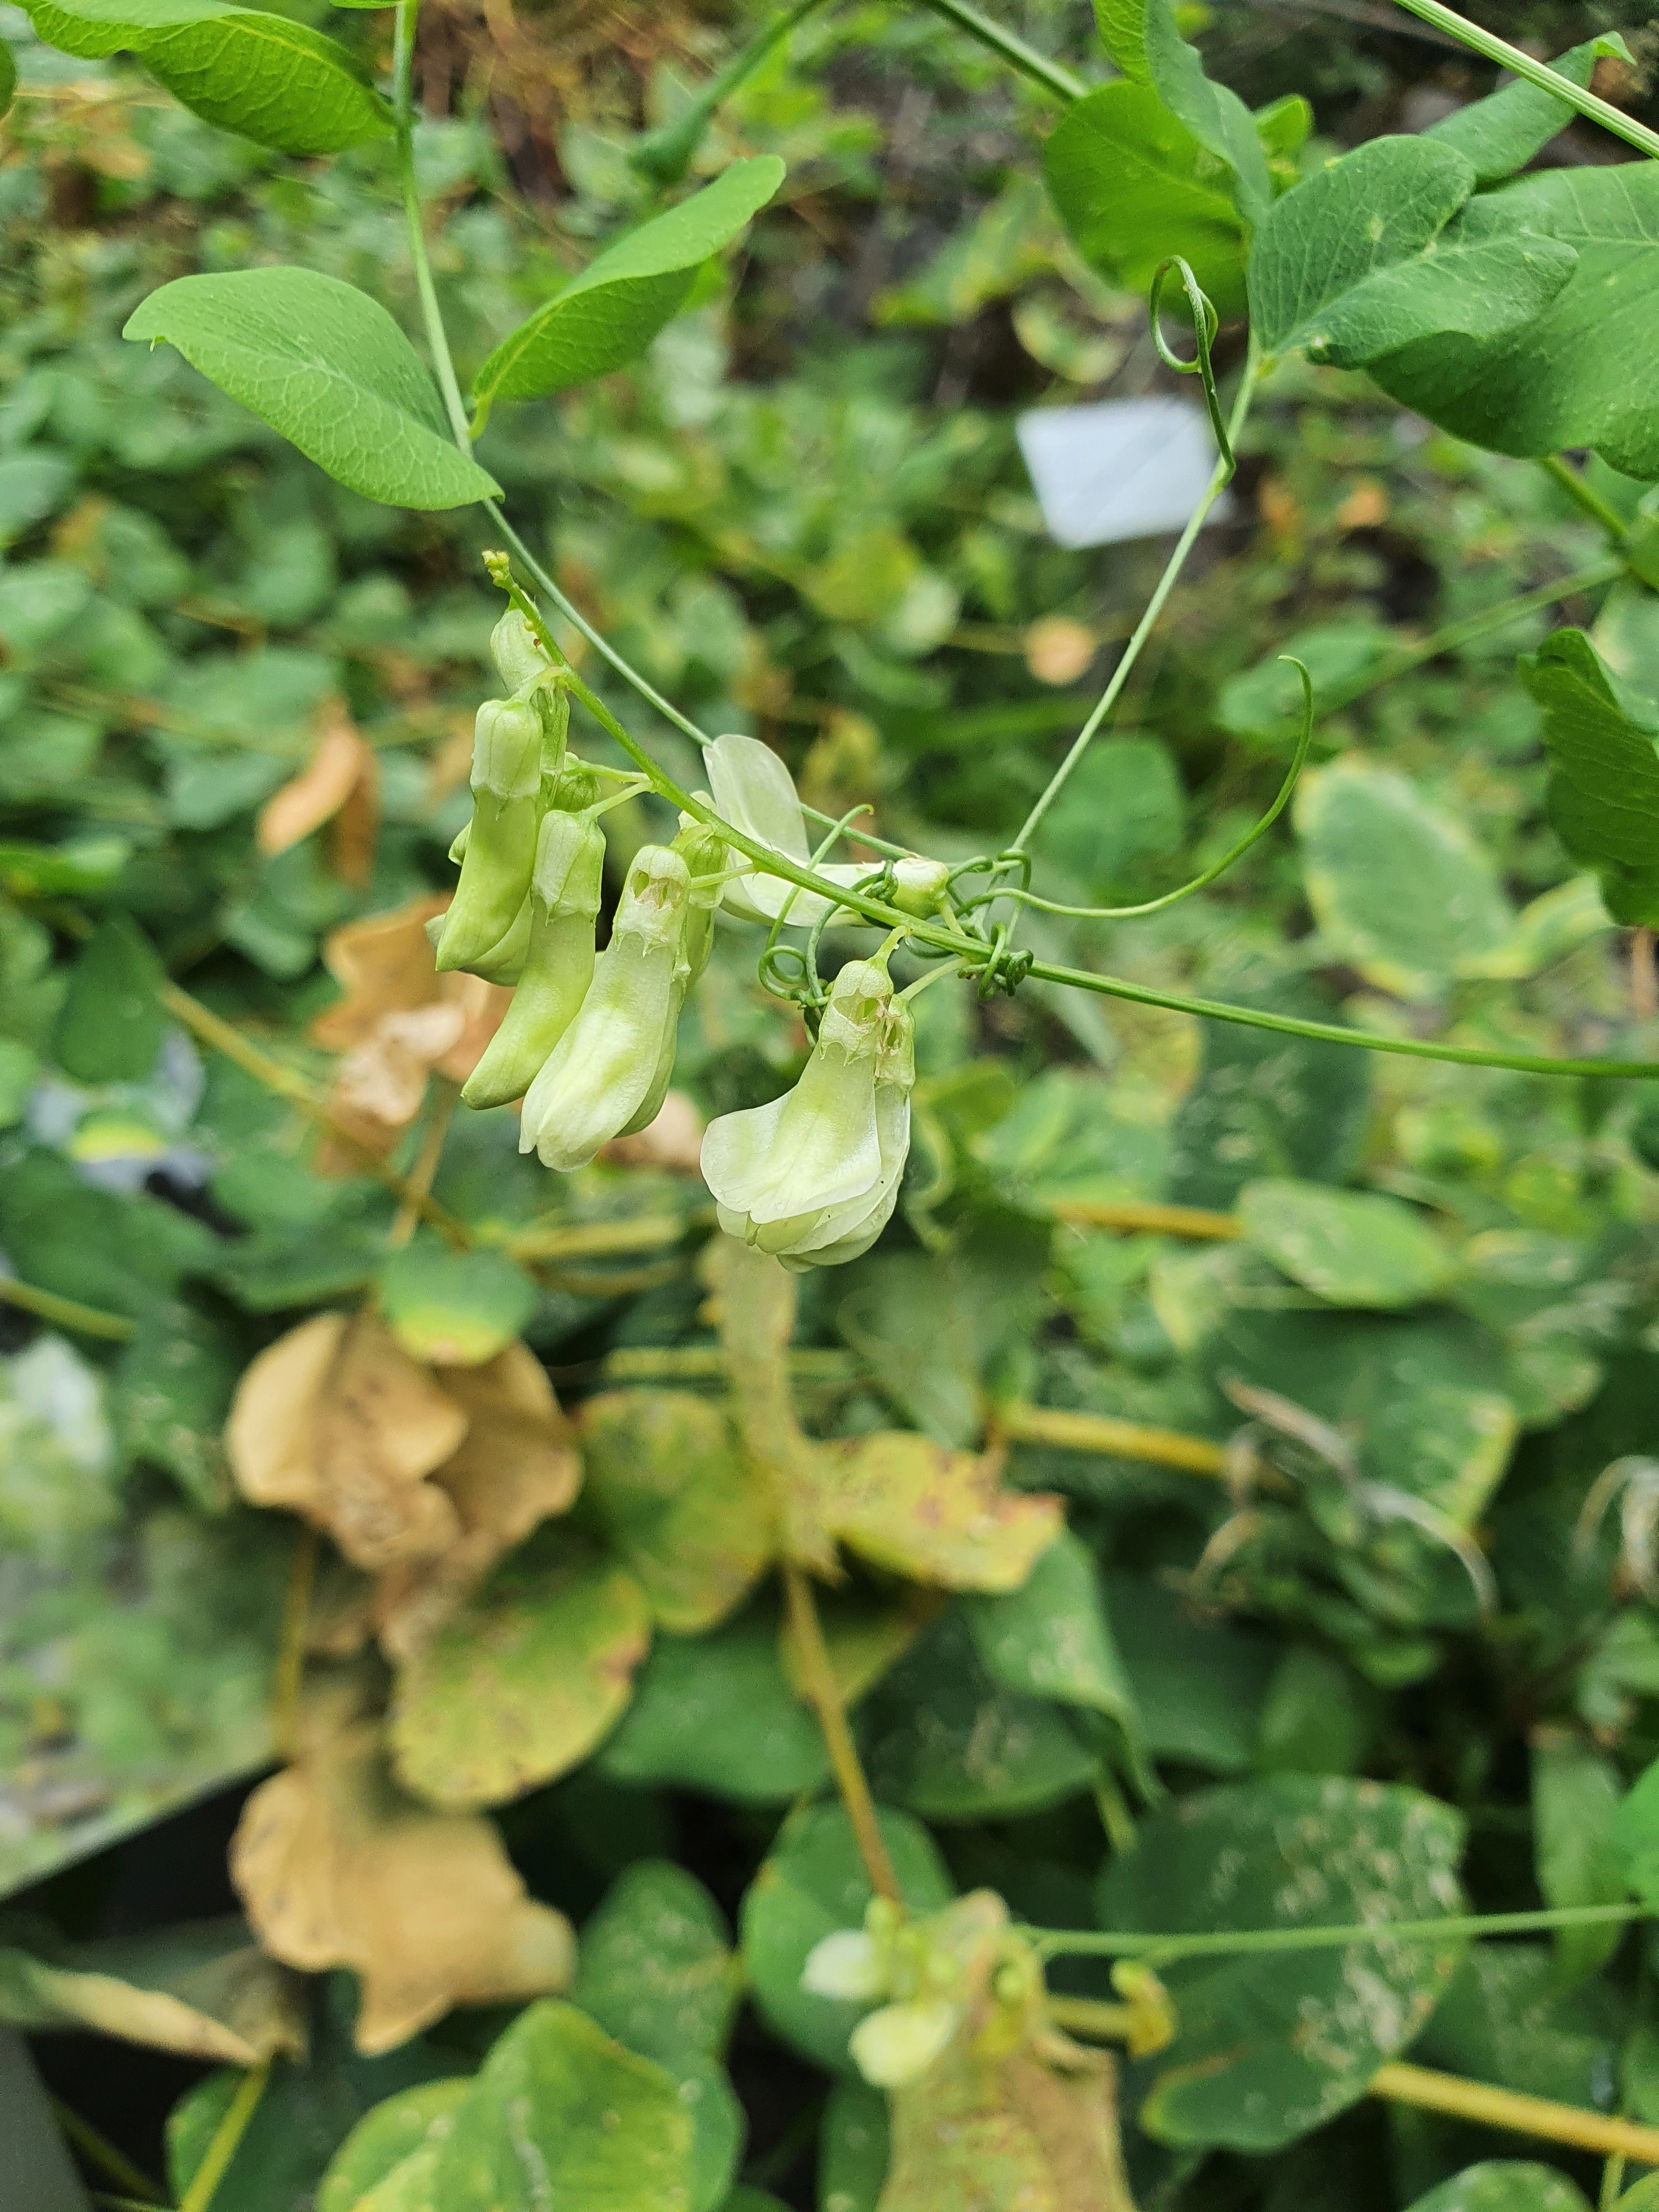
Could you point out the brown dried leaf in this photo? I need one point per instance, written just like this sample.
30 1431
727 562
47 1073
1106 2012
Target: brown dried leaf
337 1868
342 770
399 1021
941 1517
335 1422
1013 2117
516 1466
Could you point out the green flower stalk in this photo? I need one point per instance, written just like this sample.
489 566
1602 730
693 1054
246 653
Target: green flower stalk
602 1071
565 890
814 1177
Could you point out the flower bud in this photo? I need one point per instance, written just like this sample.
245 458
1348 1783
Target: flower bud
919 885
517 651
704 851
754 792
814 1177
603 1070
507 749
558 962
900 2042
849 1965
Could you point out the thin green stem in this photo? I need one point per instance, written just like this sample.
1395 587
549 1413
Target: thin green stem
1050 75
66 1313
666 153
226 2140
1143 629
101 2151
1216 1010
1535 72
403 99
1585 494
1117 1943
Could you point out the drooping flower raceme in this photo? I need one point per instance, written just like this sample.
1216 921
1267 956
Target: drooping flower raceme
754 791
558 966
604 1067
814 1177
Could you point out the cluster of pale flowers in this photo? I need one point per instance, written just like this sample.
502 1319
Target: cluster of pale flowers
589 1041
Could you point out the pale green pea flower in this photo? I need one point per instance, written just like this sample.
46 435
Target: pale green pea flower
517 651
813 1177
849 1965
898 2043
754 792
558 961
603 1068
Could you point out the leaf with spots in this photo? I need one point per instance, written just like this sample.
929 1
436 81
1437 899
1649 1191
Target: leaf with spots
1271 2047
522 1682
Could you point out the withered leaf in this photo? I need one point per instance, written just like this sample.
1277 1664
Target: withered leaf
338 1423
203 1991
338 1868
516 1466
523 1680
341 775
668 1480
937 1515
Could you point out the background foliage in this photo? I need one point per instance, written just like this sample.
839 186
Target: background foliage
1394 1670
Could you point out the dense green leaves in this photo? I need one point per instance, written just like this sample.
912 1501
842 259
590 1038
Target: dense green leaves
1603 794
1571 375
110 1029
264 77
609 315
1271 2046
1380 249
326 365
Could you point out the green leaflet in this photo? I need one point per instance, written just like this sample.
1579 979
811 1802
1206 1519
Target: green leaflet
1500 134
1603 793
263 76
327 366
458 1307
611 312
110 1029
1351 1248
1141 36
1506 2185
1574 375
1133 185
8 77
1382 248
1576 1794
1270 2047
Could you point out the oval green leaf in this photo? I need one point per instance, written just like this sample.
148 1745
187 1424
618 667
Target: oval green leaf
1352 1248
327 367
457 1308
611 312
263 76
1506 2184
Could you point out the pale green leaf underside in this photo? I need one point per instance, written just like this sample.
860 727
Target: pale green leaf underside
1379 250
609 313
326 365
263 76
1603 791
1580 373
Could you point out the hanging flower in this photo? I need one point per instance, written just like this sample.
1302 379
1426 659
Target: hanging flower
605 1067
754 792
814 1177
564 903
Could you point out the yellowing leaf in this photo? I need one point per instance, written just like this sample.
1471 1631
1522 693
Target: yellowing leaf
522 1682
940 1516
337 1868
516 1466
339 1425
340 765
669 1481
203 1990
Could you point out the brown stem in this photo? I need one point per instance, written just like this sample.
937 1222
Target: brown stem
202 1022
1644 983
818 1679
1196 1221
1520 2115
